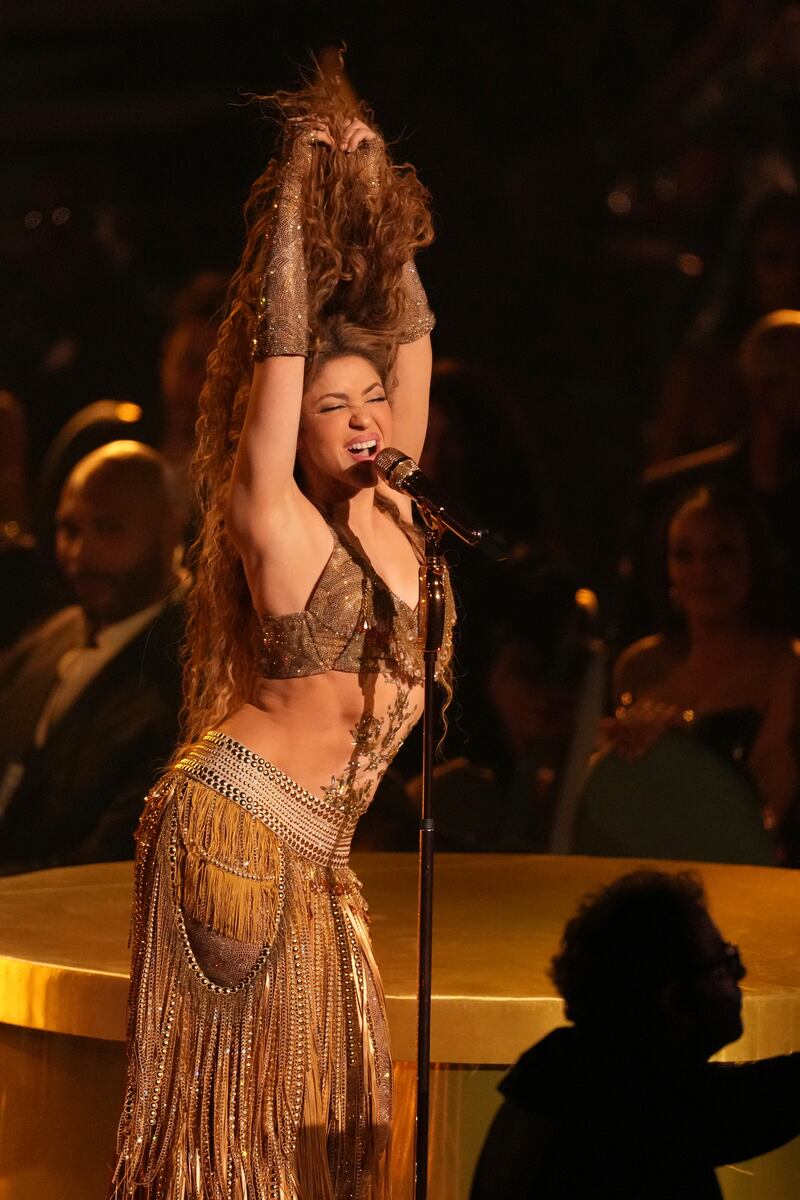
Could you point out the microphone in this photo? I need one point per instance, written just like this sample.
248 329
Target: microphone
403 475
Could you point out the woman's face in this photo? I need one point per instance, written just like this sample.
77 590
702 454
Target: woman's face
182 371
709 565
346 420
775 266
773 380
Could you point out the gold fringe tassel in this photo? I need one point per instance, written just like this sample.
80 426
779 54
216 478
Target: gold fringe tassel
228 867
274 1087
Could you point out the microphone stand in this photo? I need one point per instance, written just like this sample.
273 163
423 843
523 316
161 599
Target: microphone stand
432 600
403 475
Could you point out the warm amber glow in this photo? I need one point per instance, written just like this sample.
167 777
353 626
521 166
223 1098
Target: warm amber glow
499 918
691 265
585 598
620 203
130 413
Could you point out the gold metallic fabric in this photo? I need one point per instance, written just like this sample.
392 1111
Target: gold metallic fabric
281 325
259 1063
418 318
372 163
352 623
309 825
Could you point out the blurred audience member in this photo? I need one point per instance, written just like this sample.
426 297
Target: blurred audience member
80 315
88 429
478 450
544 638
521 716
723 669
23 594
391 822
623 1104
182 371
769 456
765 461
90 699
20 572
703 401
14 487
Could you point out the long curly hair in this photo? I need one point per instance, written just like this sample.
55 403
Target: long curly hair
356 241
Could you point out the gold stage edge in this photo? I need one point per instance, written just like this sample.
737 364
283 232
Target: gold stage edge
498 919
497 922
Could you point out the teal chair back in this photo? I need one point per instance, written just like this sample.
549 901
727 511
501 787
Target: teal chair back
679 801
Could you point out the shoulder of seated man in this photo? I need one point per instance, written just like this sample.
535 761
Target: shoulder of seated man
52 628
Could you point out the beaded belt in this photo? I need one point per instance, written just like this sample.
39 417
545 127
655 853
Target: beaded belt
313 827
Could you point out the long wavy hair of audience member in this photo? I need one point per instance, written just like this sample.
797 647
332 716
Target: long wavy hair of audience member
355 307
733 305
768 606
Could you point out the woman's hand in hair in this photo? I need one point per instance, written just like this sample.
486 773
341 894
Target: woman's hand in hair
317 130
310 131
355 134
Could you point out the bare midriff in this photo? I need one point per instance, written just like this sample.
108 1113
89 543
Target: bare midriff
312 728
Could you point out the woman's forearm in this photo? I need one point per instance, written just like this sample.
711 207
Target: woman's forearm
418 318
265 454
410 395
281 321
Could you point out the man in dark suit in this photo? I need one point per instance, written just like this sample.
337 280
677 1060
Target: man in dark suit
90 699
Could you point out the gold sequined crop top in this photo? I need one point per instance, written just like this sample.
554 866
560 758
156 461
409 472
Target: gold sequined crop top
352 623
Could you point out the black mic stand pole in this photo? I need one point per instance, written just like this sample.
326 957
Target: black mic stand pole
432 598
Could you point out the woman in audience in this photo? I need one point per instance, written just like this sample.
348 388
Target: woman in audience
702 398
723 669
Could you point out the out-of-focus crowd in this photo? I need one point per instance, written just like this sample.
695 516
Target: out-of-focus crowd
93 583
631 688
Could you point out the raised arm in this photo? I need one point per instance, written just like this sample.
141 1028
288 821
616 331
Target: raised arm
270 521
364 219
262 483
411 391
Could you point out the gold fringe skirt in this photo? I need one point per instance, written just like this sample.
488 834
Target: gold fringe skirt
258 1056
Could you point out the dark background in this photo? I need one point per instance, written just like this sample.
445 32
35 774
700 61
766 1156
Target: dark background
574 242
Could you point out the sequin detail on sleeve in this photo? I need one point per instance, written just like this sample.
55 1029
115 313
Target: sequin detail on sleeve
281 324
419 319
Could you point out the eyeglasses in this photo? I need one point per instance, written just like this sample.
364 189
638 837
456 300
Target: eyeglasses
729 959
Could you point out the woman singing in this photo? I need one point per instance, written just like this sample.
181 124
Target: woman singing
259 1062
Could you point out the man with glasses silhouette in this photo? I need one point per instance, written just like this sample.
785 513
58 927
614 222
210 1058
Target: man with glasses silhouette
624 1102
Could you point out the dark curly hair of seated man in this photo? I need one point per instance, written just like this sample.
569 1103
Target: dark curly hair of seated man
625 943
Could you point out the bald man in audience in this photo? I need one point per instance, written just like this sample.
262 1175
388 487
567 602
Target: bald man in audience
89 700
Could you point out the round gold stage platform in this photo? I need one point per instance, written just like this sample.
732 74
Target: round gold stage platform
63 987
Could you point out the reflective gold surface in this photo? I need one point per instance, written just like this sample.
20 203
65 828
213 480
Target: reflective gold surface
64 962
